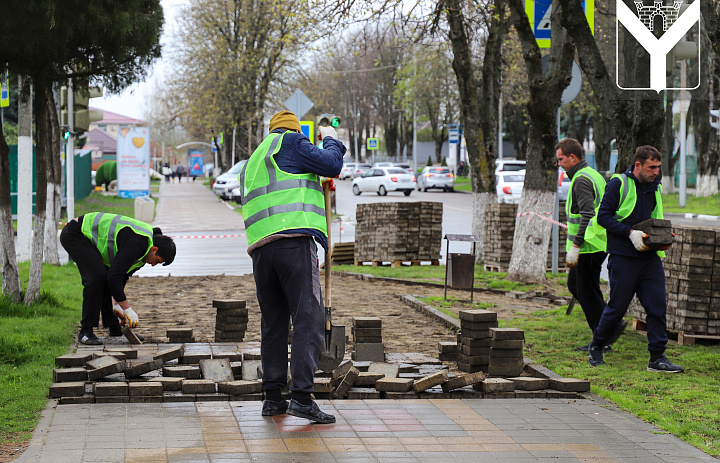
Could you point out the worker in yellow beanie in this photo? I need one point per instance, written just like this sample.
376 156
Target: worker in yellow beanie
284 212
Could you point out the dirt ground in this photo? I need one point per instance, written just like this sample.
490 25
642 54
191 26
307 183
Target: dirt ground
168 302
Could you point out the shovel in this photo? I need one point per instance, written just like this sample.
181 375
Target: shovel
333 348
571 306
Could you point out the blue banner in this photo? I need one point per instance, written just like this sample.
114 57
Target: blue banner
196 162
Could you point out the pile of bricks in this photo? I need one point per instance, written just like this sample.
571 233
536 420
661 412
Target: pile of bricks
692 281
506 352
474 339
398 232
231 320
500 230
367 339
180 335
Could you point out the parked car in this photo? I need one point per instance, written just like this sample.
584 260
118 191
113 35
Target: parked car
403 165
347 170
235 195
384 179
509 186
436 177
563 184
360 170
383 164
508 165
227 182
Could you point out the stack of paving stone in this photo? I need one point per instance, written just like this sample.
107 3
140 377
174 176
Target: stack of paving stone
367 338
692 281
506 352
474 339
448 351
231 321
180 335
398 231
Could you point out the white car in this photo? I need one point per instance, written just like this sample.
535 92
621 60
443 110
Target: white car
509 186
347 170
383 164
384 179
227 182
508 165
436 177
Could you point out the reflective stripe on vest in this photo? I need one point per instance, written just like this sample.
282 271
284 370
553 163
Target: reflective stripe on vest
105 241
595 236
628 200
288 201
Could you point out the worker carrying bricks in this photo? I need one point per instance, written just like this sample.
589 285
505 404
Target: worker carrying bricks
586 243
630 198
107 249
284 212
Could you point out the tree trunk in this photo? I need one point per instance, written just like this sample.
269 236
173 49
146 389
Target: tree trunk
54 190
44 139
8 260
603 137
530 242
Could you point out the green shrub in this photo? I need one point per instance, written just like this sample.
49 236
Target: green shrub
106 173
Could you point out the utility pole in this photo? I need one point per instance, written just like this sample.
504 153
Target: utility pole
683 132
233 149
70 154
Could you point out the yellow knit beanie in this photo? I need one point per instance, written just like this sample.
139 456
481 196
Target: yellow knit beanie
284 120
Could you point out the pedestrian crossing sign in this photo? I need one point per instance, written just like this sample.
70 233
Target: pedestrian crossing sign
373 143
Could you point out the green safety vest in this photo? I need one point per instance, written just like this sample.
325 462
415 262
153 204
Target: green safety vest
595 235
102 229
628 199
274 200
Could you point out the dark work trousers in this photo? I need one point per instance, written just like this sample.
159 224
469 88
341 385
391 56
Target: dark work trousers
584 283
646 278
287 279
96 292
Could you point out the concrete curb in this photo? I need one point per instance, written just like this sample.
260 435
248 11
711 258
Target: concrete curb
32 453
367 276
420 306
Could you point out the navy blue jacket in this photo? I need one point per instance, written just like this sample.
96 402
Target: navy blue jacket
618 233
298 155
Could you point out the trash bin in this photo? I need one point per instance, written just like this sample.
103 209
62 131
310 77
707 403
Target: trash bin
144 209
461 271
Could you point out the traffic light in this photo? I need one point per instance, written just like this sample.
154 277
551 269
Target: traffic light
82 115
325 120
335 122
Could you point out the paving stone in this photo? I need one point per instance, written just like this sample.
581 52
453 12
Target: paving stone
476 334
247 397
323 385
399 395
178 397
475 359
394 384
462 381
570 384
467 393
114 388
86 399
228 304
477 326
429 381
166 354
475 351
135 368
374 352
73 360
367 340
69 389
447 347
471 342
63 375
527 383
477 315
367 379
362 366
251 354
367 322
145 388
341 370
117 355
216 369
150 399
553 394
235 356
179 333
198 386
251 370
508 344
182 371
506 367
130 336
212 397
388 370
229 336
130 352
236 369
230 327
494 385
362 393
112 400
507 334
407 368
240 387
169 384
523 394
104 366
432 394
500 395
193 358
226 318
506 353
347 382
367 332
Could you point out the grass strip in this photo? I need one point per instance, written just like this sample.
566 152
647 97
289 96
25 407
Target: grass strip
708 205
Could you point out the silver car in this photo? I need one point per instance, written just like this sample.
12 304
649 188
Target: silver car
436 177
227 182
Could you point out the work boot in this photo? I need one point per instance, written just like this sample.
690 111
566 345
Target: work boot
116 331
586 347
272 408
89 338
595 356
310 412
617 332
664 365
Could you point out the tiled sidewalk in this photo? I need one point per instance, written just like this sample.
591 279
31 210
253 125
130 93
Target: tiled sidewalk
428 431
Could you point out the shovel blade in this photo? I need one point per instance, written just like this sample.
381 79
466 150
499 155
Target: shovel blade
333 349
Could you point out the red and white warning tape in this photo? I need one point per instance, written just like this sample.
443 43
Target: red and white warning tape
206 236
542 215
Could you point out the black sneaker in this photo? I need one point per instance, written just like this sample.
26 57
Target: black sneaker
664 365
586 347
272 408
617 332
89 338
595 356
116 331
310 412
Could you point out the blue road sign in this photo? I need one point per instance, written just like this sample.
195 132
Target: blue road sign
372 143
454 136
538 11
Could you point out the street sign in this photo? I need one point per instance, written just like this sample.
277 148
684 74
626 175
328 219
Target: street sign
373 143
307 128
538 12
573 89
454 136
299 104
4 91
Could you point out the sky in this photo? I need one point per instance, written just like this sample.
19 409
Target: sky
132 101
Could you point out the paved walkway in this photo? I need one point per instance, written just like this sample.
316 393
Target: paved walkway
428 431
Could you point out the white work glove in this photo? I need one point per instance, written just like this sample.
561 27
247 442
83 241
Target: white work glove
127 317
328 132
636 236
571 258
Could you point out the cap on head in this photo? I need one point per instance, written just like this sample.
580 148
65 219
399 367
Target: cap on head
284 120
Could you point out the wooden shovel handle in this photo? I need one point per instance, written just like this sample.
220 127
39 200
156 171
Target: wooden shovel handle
328 298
